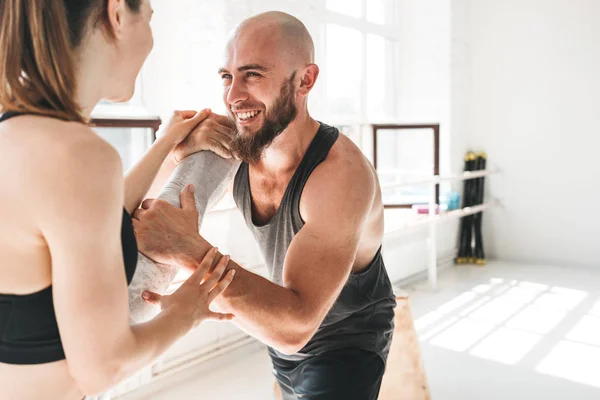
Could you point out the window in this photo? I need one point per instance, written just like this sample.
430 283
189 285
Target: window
344 70
359 65
130 142
379 95
353 8
378 11
405 154
362 42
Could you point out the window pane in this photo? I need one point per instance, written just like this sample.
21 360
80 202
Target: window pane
405 156
352 8
130 143
344 70
378 79
377 10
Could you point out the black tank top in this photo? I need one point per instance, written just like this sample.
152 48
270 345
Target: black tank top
363 315
28 328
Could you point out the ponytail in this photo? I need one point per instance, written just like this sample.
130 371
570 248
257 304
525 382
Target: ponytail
37 72
38 39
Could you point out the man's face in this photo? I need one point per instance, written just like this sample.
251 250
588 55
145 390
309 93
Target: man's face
260 96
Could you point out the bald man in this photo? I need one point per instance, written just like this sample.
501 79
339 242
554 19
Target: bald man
313 203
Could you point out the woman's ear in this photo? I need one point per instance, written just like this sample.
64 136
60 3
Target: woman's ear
115 11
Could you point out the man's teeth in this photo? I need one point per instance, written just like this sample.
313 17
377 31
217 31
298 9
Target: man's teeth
247 115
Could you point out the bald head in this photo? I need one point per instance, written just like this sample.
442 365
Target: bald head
283 34
267 75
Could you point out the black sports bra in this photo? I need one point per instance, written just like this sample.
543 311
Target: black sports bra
28 328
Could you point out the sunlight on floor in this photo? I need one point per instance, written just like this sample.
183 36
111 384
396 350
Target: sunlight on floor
574 361
506 345
504 321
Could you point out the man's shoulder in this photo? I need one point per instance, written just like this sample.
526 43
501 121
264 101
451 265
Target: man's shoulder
345 160
344 172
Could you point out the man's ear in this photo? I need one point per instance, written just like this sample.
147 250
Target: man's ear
309 78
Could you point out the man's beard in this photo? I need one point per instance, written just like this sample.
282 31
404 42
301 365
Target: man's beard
250 147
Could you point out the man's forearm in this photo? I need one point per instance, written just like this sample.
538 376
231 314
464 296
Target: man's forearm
271 313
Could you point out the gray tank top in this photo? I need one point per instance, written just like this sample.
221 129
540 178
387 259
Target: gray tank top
363 315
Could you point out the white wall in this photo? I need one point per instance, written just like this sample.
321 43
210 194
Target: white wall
424 67
460 81
424 95
533 76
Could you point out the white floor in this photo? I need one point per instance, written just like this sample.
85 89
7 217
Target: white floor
504 331
248 378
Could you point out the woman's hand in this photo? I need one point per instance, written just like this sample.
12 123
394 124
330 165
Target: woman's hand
194 296
182 123
213 133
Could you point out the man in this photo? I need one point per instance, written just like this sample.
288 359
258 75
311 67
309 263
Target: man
314 205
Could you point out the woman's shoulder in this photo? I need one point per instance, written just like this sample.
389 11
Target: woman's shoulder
50 132
46 141
48 165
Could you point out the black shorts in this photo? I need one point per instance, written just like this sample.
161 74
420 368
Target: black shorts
349 374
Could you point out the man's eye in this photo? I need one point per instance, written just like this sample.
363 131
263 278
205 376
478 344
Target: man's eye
226 77
252 74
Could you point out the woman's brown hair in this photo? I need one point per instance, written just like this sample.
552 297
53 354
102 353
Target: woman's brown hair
38 39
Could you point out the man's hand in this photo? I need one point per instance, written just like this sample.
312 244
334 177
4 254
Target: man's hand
213 133
167 234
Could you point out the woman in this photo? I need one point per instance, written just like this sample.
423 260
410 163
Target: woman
65 237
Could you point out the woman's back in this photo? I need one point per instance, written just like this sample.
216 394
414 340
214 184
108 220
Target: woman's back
25 266
30 145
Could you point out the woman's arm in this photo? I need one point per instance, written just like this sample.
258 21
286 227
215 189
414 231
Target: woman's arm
208 131
140 177
214 134
79 216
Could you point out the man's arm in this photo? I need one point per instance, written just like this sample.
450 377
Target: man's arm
335 205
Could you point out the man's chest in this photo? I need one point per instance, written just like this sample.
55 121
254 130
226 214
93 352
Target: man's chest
267 192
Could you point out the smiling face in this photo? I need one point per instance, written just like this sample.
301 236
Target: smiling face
267 75
259 91
258 125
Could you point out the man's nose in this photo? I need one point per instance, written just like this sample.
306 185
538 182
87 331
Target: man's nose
237 93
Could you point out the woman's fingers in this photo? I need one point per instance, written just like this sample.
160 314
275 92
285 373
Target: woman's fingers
217 273
204 267
219 149
152 298
221 286
219 317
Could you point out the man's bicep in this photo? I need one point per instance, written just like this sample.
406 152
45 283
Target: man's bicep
335 206
317 266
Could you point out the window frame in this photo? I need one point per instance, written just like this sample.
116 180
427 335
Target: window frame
389 32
